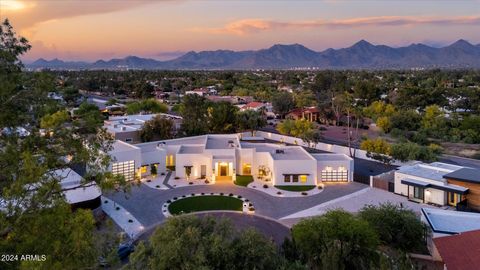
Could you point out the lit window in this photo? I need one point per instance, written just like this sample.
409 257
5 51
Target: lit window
328 168
303 178
341 169
143 169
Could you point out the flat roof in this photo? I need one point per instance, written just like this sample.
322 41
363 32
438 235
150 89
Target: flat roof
331 157
119 146
451 222
289 152
221 142
465 174
433 171
188 149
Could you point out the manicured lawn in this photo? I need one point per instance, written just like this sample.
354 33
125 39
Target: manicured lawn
296 188
205 203
243 180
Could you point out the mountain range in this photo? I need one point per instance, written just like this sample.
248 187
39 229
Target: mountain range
361 55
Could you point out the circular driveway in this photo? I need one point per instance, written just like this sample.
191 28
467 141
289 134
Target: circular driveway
145 203
268 227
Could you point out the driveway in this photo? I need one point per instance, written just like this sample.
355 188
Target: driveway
270 228
145 203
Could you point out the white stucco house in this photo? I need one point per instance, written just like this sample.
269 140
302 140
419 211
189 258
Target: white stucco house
222 157
427 183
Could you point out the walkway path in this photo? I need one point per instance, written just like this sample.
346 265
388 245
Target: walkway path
167 177
145 203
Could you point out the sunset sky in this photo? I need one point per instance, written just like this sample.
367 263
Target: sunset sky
163 29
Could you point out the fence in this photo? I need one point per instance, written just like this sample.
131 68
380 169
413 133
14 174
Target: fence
385 181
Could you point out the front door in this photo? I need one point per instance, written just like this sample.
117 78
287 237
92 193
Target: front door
223 170
203 171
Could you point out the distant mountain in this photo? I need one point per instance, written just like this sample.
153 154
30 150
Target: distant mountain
361 55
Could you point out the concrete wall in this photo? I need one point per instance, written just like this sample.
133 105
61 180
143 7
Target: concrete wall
320 146
157 156
123 136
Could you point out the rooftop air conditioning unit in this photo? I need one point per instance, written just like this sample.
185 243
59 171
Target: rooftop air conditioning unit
279 151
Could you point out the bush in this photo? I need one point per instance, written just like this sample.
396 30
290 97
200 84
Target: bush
396 226
304 193
176 177
265 186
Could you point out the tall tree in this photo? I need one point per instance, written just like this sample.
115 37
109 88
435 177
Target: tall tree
195 115
336 240
222 117
158 128
34 216
282 103
250 120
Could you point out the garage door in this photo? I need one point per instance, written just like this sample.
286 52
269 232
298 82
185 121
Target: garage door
127 169
334 176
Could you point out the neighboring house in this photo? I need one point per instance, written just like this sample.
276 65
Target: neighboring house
459 252
446 225
254 106
198 91
222 157
232 99
470 179
127 128
312 114
426 183
78 197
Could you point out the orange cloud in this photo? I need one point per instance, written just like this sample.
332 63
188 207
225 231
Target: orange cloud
249 26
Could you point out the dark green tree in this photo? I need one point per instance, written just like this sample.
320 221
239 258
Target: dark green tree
158 128
336 240
282 103
397 227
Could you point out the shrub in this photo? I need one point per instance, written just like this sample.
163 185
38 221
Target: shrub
169 201
130 221
176 177
207 182
279 193
304 193
118 208
190 183
265 186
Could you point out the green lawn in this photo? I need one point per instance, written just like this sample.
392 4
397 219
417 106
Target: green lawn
205 203
243 180
296 188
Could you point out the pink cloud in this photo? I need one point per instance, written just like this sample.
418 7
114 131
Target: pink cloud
249 26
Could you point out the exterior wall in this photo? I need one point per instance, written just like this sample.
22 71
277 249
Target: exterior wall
431 195
281 167
262 159
153 157
123 136
473 196
245 156
194 160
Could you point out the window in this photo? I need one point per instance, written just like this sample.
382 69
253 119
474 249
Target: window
303 178
127 169
128 139
286 178
418 193
143 169
247 169
295 178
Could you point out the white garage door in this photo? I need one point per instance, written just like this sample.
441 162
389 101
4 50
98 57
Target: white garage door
127 169
334 176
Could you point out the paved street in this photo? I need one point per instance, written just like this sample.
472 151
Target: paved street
145 203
